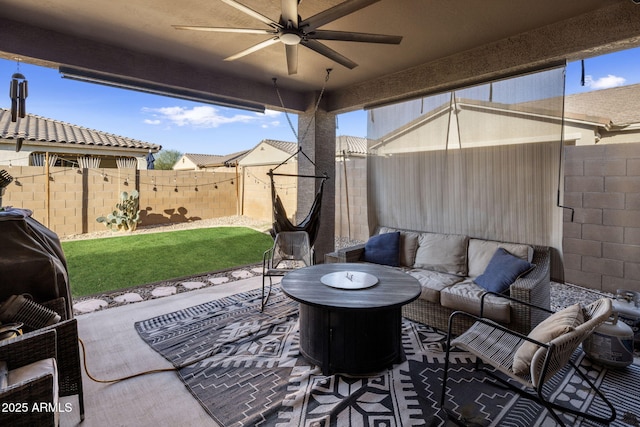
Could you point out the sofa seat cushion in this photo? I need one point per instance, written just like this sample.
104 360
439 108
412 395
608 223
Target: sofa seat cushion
481 252
408 245
446 253
383 249
466 296
432 282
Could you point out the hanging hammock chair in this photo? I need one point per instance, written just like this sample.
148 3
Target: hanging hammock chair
311 223
281 222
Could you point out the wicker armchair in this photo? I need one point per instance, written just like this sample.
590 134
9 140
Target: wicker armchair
69 368
40 389
498 347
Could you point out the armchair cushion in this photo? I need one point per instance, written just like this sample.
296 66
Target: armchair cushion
502 271
33 370
557 324
383 249
4 375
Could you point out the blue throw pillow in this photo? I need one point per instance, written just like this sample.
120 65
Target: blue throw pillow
383 249
502 271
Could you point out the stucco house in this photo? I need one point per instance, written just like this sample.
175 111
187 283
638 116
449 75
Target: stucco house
207 162
607 116
29 140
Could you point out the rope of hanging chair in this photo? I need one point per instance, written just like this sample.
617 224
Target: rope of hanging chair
304 135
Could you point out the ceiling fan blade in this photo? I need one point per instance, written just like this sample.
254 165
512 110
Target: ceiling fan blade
290 12
226 29
334 13
329 53
354 37
252 49
292 58
252 13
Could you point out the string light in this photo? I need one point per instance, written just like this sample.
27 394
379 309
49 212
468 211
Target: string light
155 186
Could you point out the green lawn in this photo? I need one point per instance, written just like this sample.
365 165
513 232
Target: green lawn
103 265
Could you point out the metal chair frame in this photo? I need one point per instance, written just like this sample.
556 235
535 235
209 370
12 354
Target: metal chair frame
290 248
547 367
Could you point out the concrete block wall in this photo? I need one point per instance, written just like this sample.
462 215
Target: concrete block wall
602 245
256 191
351 220
74 198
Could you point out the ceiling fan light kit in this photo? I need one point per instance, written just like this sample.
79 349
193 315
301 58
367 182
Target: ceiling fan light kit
289 38
292 31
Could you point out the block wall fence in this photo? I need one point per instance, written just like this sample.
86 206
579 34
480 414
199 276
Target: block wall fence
602 245
71 199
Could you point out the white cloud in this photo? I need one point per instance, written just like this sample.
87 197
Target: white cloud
207 117
604 82
271 113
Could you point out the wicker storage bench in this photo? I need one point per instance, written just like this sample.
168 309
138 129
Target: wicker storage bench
448 267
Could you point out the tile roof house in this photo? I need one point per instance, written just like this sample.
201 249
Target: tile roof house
613 113
351 146
26 142
209 162
269 152
606 116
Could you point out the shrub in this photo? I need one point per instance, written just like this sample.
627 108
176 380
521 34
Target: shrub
127 214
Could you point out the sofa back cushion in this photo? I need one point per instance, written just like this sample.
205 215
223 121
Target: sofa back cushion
481 252
446 253
408 245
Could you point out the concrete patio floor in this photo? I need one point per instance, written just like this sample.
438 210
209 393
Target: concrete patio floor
115 350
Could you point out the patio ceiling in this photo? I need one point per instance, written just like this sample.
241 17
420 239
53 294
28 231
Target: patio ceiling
444 43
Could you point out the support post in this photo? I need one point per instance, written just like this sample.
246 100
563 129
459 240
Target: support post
319 143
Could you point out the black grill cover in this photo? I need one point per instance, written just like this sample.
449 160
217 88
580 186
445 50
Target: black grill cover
31 259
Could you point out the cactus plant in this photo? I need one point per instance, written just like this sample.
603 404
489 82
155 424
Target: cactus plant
127 214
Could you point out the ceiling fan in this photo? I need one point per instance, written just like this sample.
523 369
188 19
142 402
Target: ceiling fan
292 31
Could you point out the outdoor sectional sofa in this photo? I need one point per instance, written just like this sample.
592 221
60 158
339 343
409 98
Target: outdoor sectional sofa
450 267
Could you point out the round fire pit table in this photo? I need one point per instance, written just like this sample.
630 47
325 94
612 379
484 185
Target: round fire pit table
351 315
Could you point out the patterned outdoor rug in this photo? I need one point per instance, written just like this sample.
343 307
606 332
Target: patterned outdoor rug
245 368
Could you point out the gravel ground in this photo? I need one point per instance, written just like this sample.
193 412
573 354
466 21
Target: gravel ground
238 221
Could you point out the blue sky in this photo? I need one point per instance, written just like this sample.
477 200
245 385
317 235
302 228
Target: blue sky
190 127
